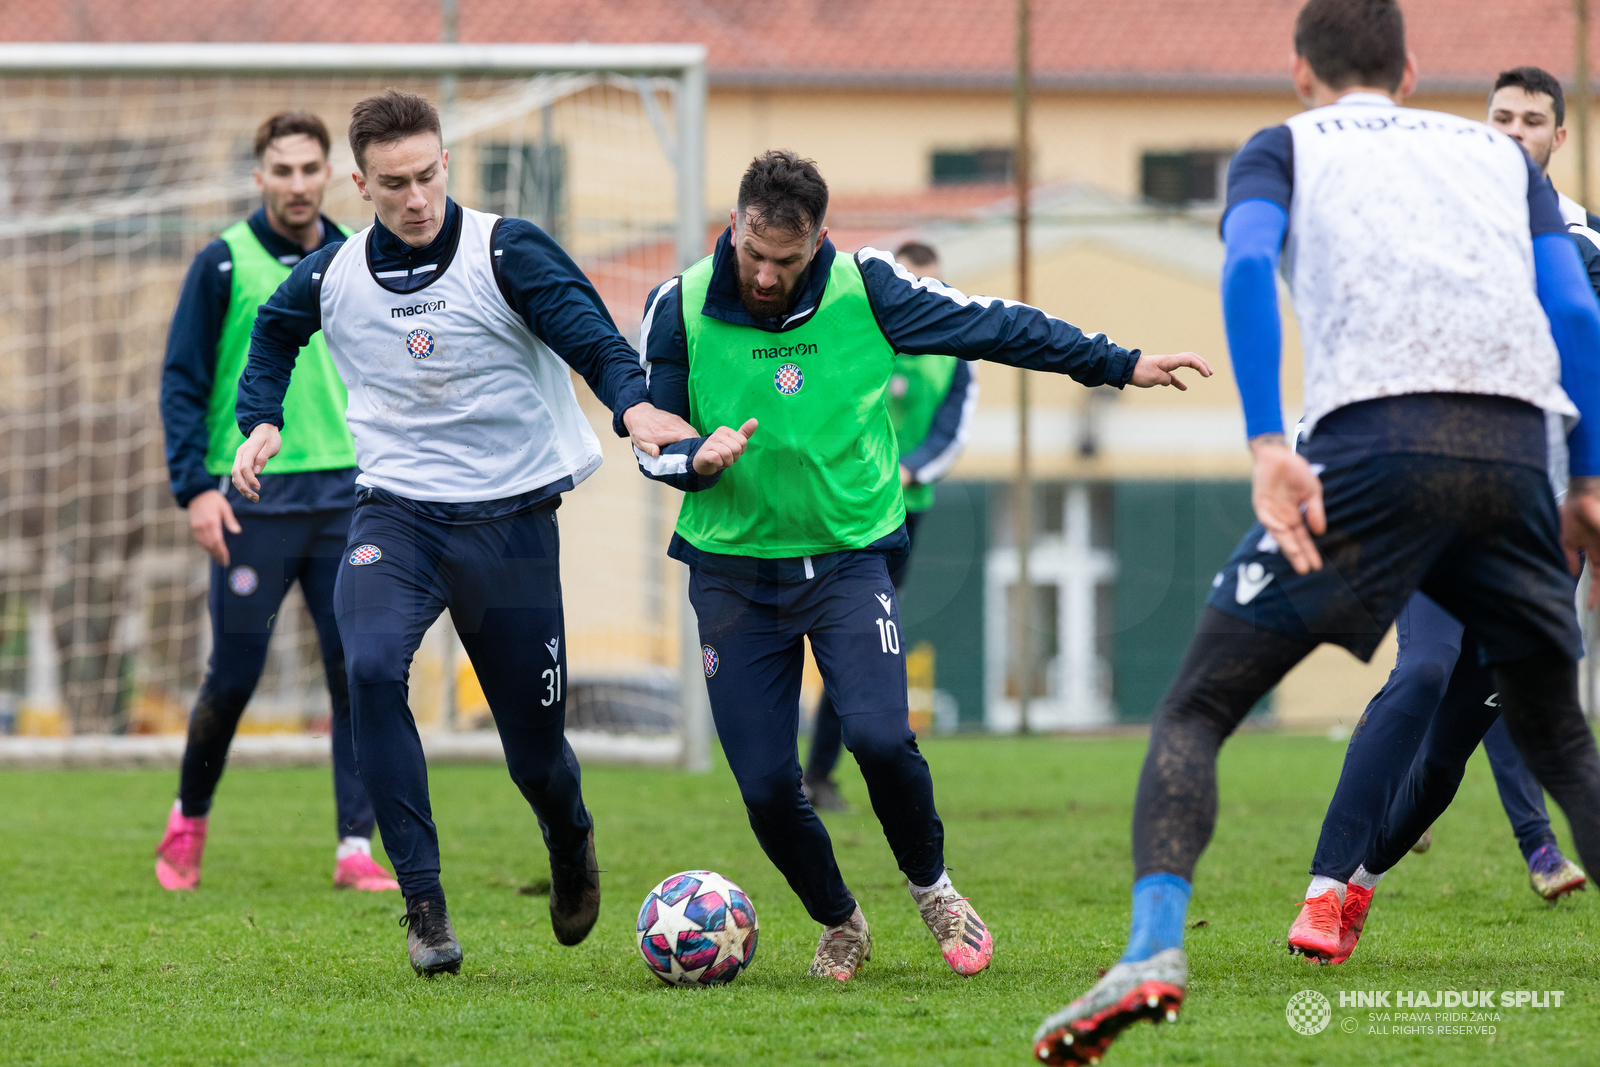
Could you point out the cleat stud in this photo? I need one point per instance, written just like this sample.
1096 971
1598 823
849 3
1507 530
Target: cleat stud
1066 1039
1172 1016
1152 1000
1044 1054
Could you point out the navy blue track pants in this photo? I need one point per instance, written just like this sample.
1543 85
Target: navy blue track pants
270 554
826 734
752 635
501 581
1409 751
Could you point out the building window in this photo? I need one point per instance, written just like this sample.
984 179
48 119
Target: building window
1182 179
1072 570
972 166
527 181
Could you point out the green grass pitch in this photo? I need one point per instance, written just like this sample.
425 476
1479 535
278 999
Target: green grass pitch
267 964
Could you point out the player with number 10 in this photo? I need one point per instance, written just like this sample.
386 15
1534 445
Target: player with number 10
791 520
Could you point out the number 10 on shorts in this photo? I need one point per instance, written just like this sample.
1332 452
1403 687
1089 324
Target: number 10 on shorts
889 636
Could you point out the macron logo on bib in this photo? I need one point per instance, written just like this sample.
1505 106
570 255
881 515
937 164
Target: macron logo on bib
406 311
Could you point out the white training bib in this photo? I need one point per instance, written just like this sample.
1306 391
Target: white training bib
452 397
1410 259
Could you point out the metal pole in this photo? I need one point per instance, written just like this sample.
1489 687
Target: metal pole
1581 100
690 108
1023 495
449 33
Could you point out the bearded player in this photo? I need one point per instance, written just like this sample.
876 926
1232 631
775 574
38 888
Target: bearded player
454 331
1444 311
295 530
778 334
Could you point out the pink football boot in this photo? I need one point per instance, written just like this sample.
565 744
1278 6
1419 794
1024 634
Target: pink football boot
178 855
963 938
358 870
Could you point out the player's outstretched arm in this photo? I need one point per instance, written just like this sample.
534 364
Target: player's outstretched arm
920 316
1158 370
650 429
561 306
263 443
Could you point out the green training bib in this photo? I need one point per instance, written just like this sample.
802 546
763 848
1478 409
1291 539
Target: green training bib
916 390
822 472
315 437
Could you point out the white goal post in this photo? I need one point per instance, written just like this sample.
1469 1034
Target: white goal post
117 163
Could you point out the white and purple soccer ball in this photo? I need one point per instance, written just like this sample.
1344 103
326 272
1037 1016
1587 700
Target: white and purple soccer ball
697 929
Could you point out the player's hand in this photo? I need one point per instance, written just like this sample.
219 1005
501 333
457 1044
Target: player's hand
649 428
907 479
1287 497
209 513
1580 528
263 443
1158 370
723 448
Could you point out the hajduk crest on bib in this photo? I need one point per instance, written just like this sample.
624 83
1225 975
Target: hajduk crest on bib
420 344
789 379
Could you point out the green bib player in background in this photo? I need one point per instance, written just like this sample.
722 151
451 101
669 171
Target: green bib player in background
792 523
296 531
931 399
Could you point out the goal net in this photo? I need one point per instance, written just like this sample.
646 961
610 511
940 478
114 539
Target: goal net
118 164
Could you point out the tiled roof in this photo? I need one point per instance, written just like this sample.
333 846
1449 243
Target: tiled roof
1076 42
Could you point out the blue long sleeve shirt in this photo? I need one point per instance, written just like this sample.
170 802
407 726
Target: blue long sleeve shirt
538 280
188 374
1260 191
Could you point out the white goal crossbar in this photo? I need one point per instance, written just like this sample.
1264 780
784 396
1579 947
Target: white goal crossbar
686 63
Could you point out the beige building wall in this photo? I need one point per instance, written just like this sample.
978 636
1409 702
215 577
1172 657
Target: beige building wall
881 141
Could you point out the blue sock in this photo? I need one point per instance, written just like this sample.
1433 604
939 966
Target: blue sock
1160 902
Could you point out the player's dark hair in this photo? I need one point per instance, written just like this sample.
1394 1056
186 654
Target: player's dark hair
783 193
1353 42
917 254
390 117
288 124
1534 80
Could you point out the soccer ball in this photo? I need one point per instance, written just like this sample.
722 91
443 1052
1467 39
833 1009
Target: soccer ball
697 929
